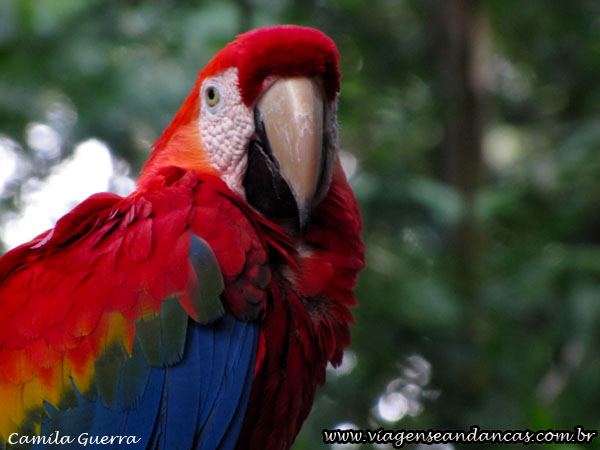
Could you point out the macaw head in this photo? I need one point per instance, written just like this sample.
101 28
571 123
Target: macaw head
262 117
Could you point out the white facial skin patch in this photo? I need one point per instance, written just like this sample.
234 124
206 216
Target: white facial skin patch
226 127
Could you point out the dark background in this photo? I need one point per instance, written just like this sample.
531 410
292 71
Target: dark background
474 130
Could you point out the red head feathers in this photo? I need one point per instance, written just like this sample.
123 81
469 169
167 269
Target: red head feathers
285 50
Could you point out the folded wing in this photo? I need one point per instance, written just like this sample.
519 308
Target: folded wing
95 329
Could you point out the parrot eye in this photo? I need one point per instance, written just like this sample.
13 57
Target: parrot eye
212 96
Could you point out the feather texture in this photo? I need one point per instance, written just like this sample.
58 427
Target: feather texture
118 325
306 323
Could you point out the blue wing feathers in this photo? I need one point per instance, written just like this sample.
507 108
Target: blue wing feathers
218 420
216 370
233 430
183 401
237 394
198 403
141 421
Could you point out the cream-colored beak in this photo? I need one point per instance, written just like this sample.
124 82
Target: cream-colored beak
293 113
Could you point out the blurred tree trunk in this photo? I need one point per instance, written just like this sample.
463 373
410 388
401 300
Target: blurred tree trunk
460 165
460 152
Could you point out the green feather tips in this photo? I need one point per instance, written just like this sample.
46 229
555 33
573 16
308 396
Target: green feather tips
134 376
159 340
173 327
147 331
162 337
68 398
206 301
108 370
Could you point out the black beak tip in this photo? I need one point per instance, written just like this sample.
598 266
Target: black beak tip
303 219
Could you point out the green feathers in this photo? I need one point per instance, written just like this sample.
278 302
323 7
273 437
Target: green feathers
206 301
160 339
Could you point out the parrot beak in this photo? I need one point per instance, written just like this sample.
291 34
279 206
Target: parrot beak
289 120
292 110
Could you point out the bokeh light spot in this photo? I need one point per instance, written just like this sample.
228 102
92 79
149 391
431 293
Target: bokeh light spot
9 156
44 140
43 201
392 407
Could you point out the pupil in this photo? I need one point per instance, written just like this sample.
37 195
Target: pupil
211 94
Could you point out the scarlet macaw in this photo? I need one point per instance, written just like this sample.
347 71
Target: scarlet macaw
243 222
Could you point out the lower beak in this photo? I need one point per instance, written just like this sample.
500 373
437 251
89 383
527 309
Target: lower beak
293 113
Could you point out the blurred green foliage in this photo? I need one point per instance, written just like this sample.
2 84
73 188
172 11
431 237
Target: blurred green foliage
513 339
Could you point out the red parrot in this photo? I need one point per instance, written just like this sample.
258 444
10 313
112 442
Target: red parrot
200 311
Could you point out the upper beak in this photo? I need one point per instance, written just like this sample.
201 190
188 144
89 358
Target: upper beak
293 114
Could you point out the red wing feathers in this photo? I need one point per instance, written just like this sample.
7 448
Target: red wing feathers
104 272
